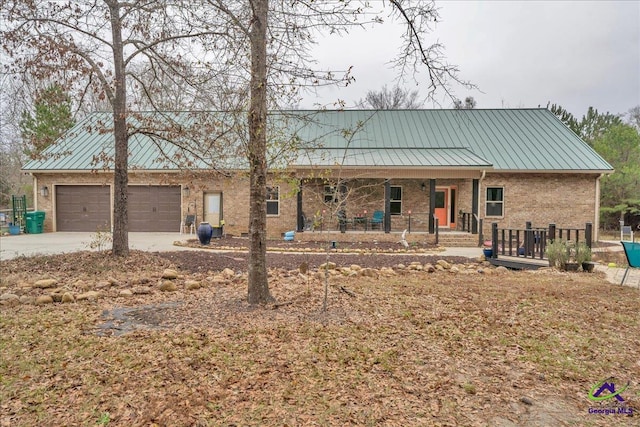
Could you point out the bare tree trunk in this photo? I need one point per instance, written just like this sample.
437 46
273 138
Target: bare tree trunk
258 284
121 161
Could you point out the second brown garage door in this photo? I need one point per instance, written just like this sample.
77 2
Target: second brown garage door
154 208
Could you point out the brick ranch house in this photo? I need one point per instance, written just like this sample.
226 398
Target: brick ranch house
501 165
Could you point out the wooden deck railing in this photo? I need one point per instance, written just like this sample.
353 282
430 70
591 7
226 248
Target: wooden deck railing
531 242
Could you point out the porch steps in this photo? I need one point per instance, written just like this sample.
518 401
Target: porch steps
457 240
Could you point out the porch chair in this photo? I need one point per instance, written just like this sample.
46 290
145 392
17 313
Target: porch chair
377 219
188 222
632 251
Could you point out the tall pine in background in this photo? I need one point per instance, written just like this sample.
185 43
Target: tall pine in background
50 119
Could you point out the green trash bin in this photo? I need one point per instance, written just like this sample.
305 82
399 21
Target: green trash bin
35 222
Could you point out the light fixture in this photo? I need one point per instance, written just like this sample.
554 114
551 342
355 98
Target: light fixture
423 187
44 191
186 191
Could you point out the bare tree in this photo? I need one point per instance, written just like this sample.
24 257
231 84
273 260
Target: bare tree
633 117
392 99
291 28
254 48
73 42
469 103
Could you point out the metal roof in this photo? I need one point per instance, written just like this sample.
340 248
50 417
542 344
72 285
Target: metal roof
526 140
392 157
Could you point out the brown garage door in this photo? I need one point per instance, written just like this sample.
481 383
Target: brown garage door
83 208
154 208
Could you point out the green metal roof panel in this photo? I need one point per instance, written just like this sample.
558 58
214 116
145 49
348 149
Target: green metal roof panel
89 145
508 140
513 139
392 157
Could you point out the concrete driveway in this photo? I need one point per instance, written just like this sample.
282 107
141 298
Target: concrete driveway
62 242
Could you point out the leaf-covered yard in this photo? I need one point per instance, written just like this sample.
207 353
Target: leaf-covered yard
410 348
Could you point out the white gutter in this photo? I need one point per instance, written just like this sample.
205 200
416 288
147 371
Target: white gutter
35 192
596 223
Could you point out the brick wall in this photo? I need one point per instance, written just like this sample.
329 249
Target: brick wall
235 196
568 200
565 199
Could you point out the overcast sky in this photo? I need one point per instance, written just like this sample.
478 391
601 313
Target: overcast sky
519 54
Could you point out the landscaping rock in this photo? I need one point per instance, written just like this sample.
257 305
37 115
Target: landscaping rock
327 265
429 268
9 300
90 296
219 279
45 283
44 299
170 274
141 290
82 285
168 286
192 285
502 269
125 293
68 297
26 299
444 264
228 273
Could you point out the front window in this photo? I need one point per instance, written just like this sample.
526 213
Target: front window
396 200
273 200
495 201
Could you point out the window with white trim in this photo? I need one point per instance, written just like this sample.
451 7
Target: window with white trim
396 200
273 200
494 202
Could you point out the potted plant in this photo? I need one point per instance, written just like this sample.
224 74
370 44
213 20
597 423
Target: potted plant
583 257
557 252
487 249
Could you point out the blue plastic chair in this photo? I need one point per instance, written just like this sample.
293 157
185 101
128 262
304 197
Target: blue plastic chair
376 220
632 251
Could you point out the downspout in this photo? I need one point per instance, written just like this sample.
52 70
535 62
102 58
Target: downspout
35 192
596 222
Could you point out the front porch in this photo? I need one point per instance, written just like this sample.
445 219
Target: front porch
366 206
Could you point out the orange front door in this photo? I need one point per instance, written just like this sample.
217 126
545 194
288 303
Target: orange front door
442 197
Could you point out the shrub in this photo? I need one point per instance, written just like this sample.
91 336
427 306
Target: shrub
558 254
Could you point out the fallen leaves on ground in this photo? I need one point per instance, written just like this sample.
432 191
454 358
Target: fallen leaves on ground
519 348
